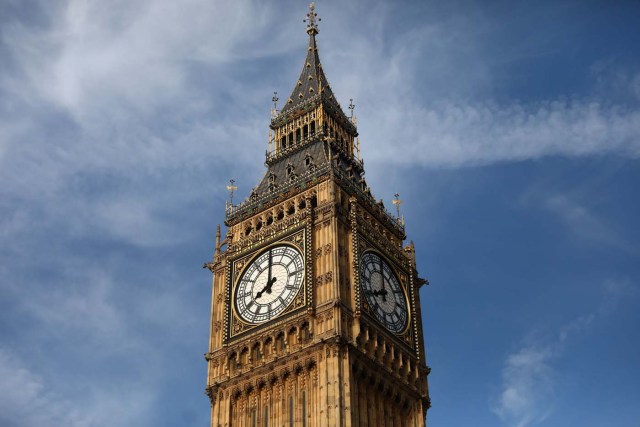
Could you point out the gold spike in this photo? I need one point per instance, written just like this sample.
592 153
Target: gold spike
312 27
398 202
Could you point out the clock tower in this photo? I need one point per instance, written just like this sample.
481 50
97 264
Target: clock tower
315 310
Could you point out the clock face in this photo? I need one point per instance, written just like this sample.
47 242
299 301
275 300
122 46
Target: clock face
383 292
269 284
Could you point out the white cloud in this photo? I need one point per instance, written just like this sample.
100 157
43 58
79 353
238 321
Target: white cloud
454 135
581 219
85 351
135 54
529 378
527 387
26 400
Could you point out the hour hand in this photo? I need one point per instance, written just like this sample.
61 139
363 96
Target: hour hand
380 292
267 287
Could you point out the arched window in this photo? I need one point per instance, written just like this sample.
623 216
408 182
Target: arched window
255 353
280 345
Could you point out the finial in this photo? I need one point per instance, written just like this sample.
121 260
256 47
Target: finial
217 252
312 28
275 101
232 188
351 107
397 202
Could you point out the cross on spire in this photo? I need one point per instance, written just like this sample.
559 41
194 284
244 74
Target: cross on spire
312 27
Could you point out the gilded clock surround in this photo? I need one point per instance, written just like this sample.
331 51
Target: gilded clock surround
325 360
239 326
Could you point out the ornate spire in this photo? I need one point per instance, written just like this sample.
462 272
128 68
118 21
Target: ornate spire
312 82
312 27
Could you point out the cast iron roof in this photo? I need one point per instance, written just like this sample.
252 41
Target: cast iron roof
312 81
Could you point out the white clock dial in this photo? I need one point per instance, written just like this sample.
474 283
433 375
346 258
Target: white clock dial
269 284
383 292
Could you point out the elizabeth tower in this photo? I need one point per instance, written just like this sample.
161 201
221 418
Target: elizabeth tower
315 311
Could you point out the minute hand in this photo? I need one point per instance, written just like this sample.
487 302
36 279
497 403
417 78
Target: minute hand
269 276
267 287
383 291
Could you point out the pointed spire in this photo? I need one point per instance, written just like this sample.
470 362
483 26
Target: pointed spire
312 82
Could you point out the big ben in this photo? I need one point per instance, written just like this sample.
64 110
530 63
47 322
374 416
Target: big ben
315 311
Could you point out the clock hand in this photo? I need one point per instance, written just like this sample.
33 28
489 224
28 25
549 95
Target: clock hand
271 280
270 284
382 291
267 287
269 277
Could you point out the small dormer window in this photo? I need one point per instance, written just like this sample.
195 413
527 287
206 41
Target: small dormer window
289 169
272 177
307 160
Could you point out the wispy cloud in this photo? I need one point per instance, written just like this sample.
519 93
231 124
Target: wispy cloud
72 362
454 135
526 395
25 398
582 218
529 377
28 399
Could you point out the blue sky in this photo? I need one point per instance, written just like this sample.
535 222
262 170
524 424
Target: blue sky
510 129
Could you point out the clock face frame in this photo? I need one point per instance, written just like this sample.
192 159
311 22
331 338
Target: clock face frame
269 284
383 292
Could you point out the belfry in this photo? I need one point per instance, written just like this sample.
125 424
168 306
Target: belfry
315 311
